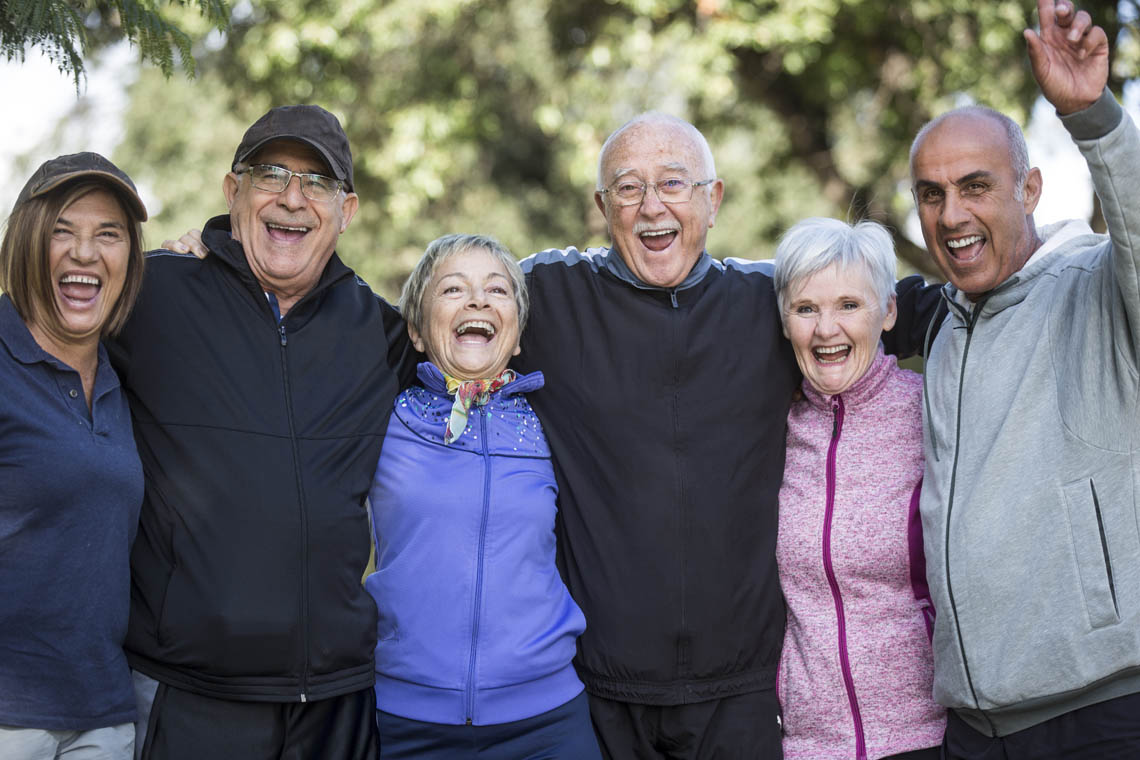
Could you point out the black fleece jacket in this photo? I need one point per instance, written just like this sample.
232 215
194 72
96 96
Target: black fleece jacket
258 441
666 412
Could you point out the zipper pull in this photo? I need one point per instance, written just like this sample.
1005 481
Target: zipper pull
281 329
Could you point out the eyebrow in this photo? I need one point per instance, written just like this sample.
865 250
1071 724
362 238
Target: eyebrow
670 167
463 276
110 223
979 174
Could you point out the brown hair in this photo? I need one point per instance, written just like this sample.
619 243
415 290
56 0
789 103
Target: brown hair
25 270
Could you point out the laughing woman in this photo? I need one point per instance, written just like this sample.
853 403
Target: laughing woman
476 631
70 480
856 673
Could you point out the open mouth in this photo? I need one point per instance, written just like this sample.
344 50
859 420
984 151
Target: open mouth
965 248
657 240
79 289
831 354
285 233
475 331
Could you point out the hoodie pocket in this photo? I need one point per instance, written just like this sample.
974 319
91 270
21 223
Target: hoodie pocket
1090 543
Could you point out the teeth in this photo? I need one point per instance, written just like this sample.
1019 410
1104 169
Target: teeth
487 327
657 233
832 349
963 242
80 279
286 228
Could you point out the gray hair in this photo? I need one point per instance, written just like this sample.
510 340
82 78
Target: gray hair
1014 137
412 295
814 244
658 118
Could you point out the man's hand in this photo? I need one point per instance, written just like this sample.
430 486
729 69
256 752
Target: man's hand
1069 56
191 242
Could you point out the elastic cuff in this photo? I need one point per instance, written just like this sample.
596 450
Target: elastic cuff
1097 120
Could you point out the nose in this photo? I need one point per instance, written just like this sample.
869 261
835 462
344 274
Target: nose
292 197
826 324
953 213
478 299
651 204
84 249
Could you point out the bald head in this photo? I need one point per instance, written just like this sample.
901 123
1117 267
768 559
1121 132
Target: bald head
667 125
969 118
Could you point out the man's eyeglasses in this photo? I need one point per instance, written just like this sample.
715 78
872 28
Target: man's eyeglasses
631 192
274 179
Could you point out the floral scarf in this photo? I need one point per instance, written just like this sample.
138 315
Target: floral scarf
467 393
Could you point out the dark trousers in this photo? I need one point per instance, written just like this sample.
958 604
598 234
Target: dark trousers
931 753
1105 731
563 733
740 727
186 726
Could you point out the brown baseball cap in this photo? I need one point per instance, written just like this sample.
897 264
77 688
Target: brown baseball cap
62 169
311 125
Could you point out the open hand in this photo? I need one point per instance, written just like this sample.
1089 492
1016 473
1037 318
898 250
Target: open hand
1069 56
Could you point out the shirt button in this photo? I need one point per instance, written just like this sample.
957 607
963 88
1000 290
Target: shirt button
73 393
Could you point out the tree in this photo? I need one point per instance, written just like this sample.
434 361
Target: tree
65 30
488 115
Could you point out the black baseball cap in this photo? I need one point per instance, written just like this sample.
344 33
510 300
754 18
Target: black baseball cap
311 125
61 169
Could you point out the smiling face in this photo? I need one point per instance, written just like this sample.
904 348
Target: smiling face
659 242
976 222
834 322
88 256
470 315
287 237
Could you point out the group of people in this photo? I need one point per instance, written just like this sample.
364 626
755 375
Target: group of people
631 502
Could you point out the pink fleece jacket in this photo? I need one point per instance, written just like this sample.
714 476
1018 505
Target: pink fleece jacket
856 671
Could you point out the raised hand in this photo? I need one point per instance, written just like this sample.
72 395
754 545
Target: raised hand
1069 56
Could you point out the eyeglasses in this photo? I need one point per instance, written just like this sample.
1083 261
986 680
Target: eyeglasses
631 192
274 179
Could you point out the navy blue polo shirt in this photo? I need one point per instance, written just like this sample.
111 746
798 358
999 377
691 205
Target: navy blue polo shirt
70 490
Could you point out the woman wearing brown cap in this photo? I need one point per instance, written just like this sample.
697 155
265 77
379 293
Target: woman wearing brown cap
70 480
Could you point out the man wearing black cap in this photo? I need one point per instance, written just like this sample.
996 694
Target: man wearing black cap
260 380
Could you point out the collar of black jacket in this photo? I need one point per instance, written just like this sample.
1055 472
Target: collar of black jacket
216 235
616 266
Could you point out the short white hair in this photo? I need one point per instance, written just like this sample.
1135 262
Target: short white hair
814 244
659 118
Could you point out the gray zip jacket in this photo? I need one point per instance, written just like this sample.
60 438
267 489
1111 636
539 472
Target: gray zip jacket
1032 434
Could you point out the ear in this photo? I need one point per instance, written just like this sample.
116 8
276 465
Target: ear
230 188
1032 190
716 195
517 351
417 339
348 210
892 313
600 201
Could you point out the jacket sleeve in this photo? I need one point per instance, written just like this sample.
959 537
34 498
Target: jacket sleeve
402 355
1110 143
918 303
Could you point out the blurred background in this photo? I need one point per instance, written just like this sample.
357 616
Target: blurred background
488 115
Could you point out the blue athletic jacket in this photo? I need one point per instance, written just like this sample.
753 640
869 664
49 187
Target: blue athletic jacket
475 624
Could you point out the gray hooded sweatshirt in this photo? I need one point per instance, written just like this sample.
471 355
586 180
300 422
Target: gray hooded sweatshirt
1032 434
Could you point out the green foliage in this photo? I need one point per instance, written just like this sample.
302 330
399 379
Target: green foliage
65 30
488 115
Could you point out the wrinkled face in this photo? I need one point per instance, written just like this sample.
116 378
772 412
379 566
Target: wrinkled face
974 226
471 318
659 242
88 255
287 237
834 322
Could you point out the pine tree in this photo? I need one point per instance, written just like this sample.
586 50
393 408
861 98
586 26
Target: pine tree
63 30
